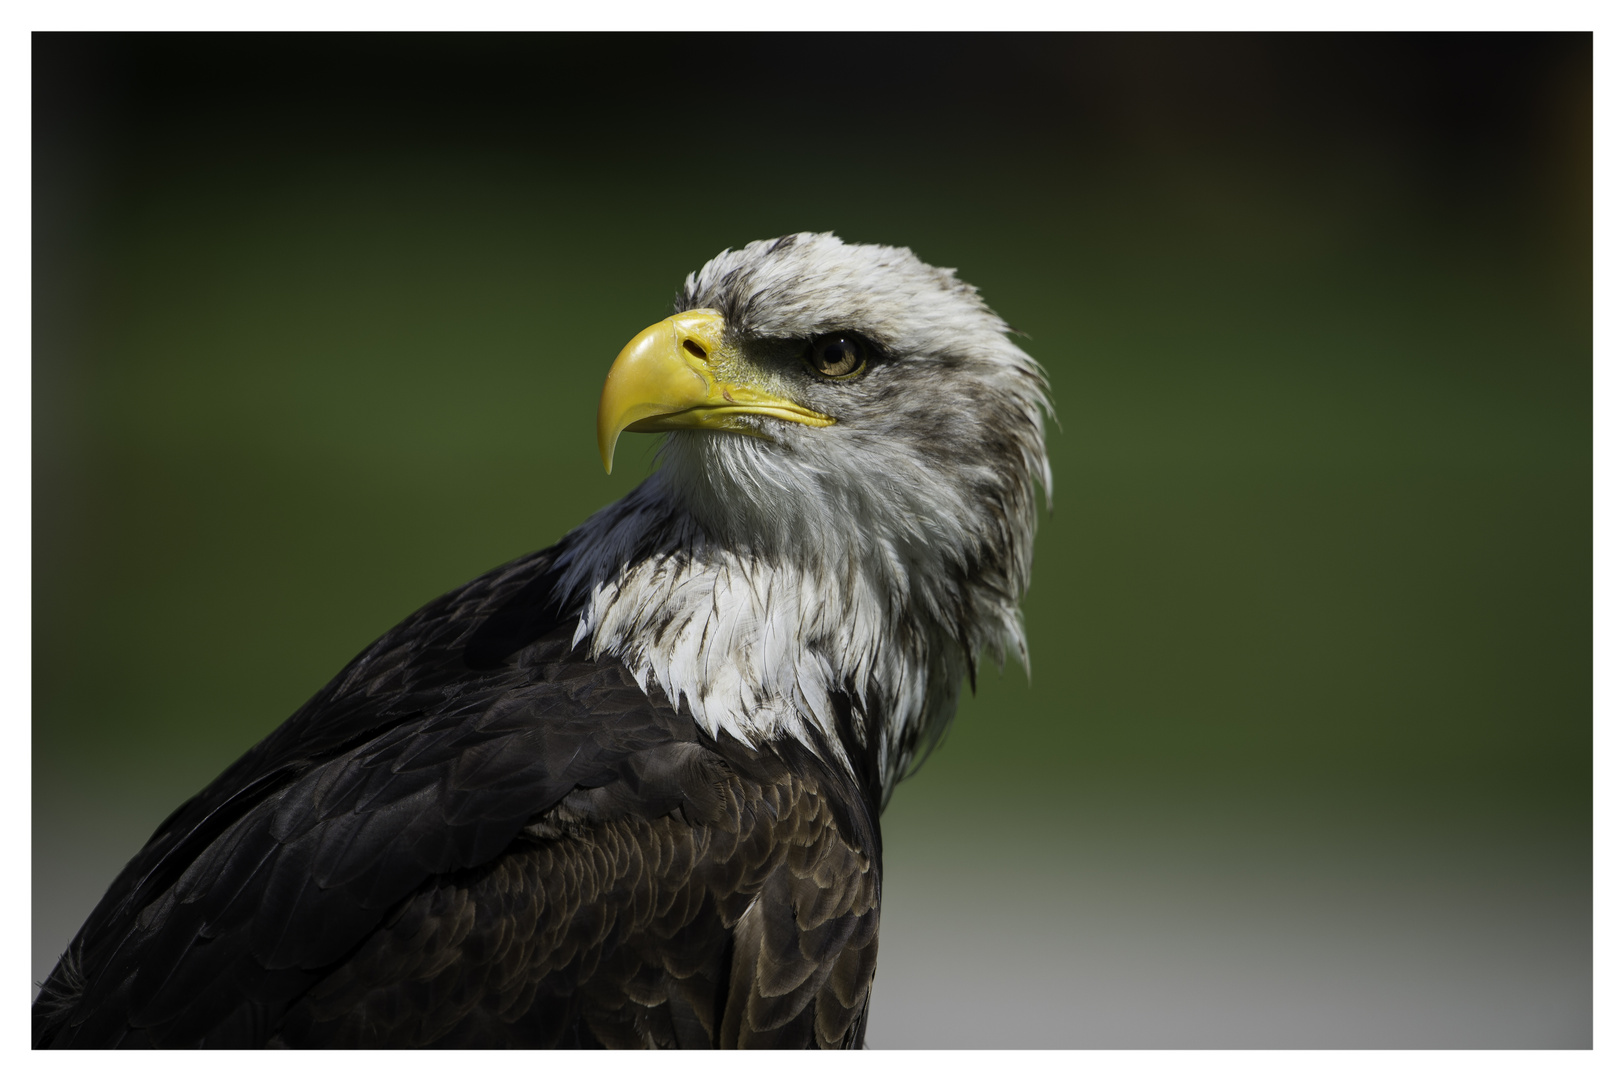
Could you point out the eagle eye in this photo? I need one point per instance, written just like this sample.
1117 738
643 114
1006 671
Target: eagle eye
838 355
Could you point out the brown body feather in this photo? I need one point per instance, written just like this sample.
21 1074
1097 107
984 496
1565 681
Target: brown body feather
754 925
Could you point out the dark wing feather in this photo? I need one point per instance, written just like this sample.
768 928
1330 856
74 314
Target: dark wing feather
674 907
808 945
476 835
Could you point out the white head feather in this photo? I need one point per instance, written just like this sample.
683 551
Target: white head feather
764 581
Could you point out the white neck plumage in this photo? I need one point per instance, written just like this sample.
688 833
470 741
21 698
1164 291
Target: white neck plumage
757 639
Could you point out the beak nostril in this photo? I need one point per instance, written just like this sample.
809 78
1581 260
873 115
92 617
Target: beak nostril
695 348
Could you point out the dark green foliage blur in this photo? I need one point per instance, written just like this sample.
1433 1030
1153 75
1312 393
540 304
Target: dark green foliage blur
320 325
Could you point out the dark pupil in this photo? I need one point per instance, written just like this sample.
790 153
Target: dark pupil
839 356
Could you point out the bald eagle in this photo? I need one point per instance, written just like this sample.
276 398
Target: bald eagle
625 791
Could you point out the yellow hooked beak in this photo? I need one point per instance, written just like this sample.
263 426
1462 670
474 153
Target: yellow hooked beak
679 374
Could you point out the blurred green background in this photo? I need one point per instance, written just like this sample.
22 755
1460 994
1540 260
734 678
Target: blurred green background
1304 758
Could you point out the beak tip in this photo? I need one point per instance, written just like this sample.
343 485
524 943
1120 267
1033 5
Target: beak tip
653 377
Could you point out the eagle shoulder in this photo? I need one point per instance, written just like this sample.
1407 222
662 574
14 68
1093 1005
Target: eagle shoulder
477 834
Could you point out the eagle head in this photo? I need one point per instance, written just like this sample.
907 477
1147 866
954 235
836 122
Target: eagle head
845 502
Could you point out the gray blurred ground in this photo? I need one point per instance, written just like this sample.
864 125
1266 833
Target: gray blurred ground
1145 926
